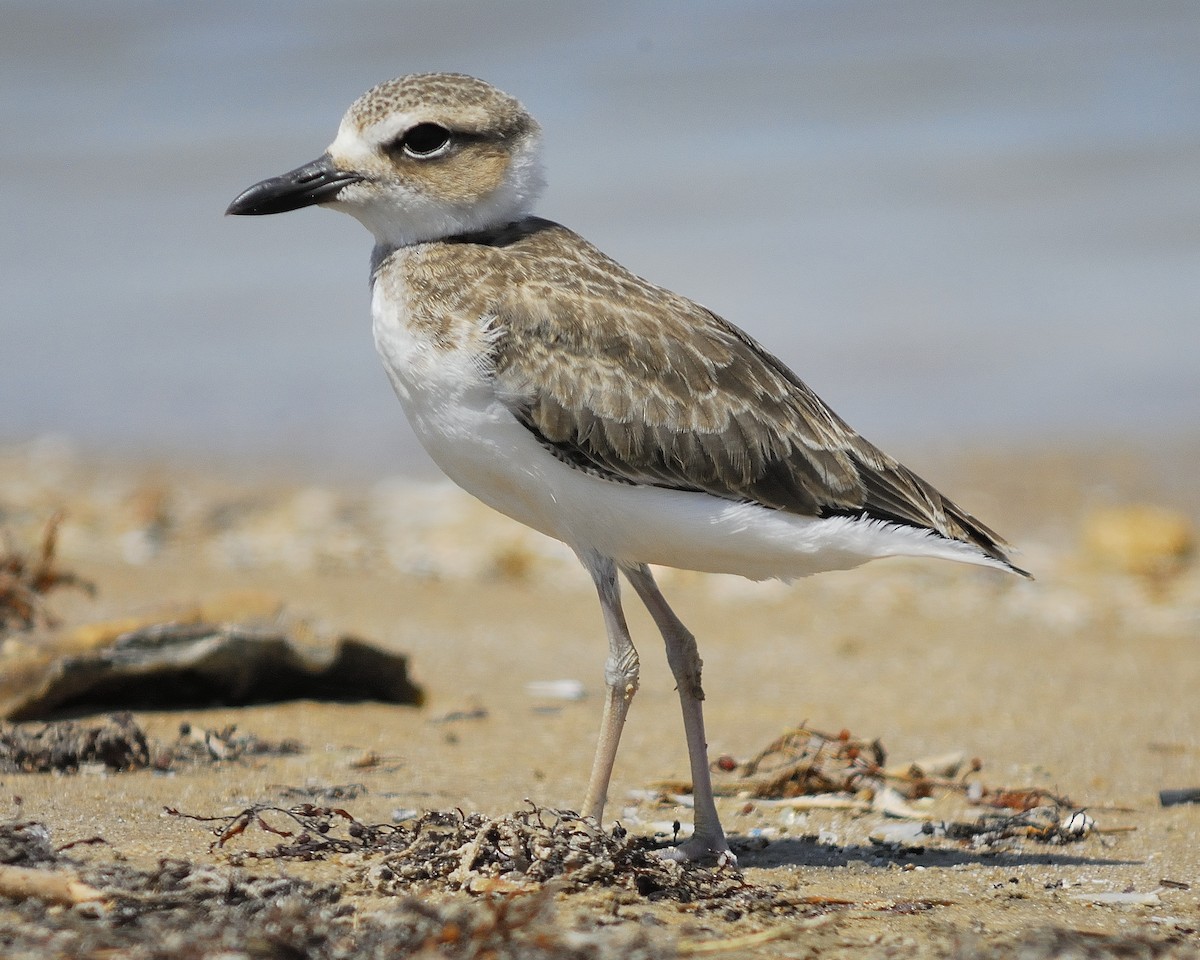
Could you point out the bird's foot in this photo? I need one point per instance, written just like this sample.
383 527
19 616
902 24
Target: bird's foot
708 851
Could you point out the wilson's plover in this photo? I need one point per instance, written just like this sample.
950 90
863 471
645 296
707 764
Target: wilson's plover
564 391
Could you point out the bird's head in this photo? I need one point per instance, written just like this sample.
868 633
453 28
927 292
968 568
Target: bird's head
418 158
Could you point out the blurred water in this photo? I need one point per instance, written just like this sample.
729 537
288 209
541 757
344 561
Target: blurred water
958 222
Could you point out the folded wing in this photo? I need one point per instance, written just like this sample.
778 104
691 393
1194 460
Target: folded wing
642 386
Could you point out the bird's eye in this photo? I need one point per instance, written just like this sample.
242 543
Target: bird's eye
425 140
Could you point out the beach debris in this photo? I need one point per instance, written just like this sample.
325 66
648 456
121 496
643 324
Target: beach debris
183 909
804 762
567 689
189 910
183 663
309 831
325 792
474 853
805 769
175 909
28 867
507 926
369 760
1171 798
1064 943
25 842
51 886
1043 825
115 743
537 853
195 745
1120 898
477 712
1077 824
1140 539
26 576
1023 798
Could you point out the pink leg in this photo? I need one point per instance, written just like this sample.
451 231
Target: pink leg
708 839
621 680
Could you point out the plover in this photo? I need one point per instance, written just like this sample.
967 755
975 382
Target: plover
630 423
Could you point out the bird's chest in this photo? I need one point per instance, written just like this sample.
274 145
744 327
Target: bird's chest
438 361
441 369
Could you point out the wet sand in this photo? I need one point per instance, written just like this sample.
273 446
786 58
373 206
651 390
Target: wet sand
1082 683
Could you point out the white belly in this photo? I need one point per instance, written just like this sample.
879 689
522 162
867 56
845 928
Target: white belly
474 439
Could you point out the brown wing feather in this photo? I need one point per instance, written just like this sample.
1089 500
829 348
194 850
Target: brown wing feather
662 391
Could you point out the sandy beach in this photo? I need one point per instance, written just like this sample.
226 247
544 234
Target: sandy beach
1080 684
972 229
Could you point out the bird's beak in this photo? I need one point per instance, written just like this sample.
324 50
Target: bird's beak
316 182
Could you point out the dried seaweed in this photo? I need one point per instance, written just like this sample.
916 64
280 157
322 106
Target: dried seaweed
1051 824
804 762
850 772
452 850
116 743
186 911
119 744
25 577
196 746
1020 798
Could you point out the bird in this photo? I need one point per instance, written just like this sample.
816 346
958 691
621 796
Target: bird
629 422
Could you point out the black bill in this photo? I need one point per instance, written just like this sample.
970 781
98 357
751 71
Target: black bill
316 182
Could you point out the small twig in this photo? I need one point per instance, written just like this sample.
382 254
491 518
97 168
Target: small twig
821 801
53 886
85 842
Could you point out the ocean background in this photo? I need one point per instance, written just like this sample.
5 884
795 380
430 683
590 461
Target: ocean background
961 223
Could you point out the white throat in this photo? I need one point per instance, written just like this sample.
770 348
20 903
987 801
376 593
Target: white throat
400 214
